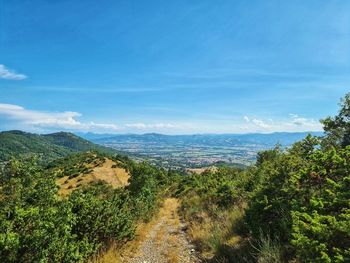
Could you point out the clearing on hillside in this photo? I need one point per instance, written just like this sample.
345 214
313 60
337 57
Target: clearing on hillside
107 171
202 170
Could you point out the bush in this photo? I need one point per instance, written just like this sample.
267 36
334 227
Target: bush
38 226
102 214
34 224
305 204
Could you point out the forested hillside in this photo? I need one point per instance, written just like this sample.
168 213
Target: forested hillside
292 205
48 146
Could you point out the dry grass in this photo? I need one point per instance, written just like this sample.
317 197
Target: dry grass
168 213
202 170
161 235
116 253
111 255
173 253
214 229
131 248
169 208
117 177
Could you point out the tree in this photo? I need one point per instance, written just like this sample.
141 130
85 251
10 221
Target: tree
337 128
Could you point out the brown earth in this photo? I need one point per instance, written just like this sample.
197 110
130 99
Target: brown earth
117 177
163 240
202 170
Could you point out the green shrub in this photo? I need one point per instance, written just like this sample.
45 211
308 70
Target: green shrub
305 203
38 226
34 224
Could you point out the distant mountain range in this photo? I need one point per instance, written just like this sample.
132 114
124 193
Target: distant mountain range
177 150
198 150
270 139
49 146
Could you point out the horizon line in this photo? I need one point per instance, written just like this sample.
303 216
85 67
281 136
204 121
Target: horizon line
156 133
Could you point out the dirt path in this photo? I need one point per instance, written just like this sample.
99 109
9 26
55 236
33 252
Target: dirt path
165 241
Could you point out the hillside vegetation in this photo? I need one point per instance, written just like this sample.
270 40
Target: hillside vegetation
48 146
38 225
292 205
88 168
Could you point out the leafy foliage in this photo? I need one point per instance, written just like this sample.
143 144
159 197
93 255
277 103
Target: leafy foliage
36 225
303 194
298 201
338 128
292 205
222 187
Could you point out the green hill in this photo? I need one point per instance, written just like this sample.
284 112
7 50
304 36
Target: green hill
49 146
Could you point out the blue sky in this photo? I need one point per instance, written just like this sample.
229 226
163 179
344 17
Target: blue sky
172 66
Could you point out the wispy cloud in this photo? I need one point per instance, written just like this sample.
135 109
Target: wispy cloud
51 120
69 120
294 123
143 126
256 122
15 116
261 124
9 74
304 122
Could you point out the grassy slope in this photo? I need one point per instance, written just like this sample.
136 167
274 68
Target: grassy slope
100 169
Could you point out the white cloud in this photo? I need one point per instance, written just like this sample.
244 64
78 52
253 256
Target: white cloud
104 126
59 120
261 124
300 121
246 118
17 117
304 122
143 126
6 73
294 123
